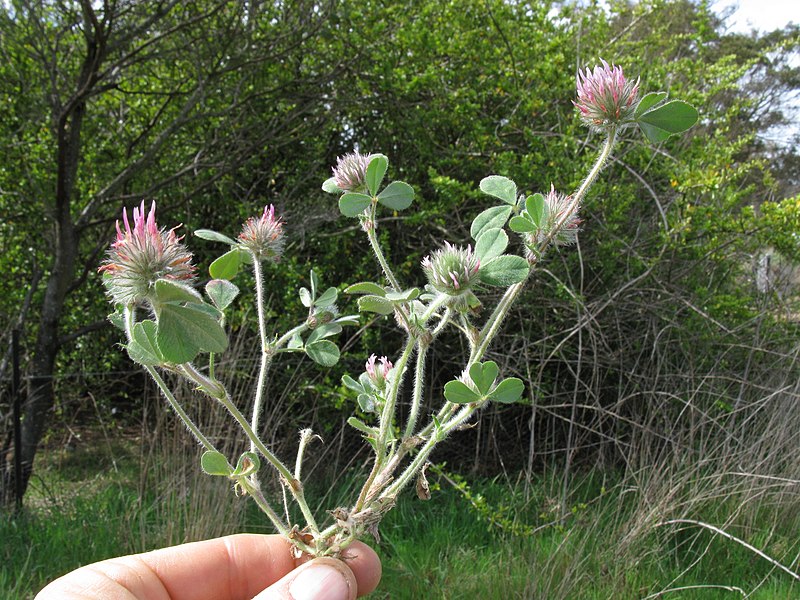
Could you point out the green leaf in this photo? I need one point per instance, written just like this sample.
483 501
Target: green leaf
222 292
536 208
668 119
366 402
214 463
491 218
295 342
365 287
649 101
143 356
145 336
504 270
305 297
329 185
314 279
491 243
327 298
117 318
352 384
353 204
348 320
459 393
403 296
376 169
398 195
214 236
185 331
500 187
323 331
323 352
172 291
521 224
375 304
508 391
483 375
362 427
247 464
227 265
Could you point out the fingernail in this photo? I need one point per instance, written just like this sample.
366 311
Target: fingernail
320 582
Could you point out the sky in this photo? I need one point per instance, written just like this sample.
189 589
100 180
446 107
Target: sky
764 15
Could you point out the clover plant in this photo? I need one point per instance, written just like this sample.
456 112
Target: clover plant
172 327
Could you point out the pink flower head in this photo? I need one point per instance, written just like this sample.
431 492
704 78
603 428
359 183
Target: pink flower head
606 97
263 236
378 373
350 172
451 270
143 254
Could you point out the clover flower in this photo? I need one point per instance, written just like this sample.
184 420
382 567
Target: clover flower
263 236
350 172
142 255
451 270
606 97
378 373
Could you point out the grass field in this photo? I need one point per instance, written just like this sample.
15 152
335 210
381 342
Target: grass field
500 538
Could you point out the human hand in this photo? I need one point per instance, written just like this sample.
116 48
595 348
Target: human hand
236 567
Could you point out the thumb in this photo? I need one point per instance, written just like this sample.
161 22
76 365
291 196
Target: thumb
319 579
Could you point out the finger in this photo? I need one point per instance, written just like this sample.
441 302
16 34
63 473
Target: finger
235 567
319 579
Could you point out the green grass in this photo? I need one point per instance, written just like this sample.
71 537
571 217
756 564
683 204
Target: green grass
443 548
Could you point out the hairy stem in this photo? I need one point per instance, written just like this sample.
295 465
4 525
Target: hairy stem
266 351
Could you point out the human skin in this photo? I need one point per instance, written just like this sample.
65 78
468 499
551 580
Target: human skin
236 567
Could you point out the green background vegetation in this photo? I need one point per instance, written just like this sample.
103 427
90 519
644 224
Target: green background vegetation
661 383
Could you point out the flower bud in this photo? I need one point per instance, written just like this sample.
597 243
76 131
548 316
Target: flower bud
378 374
141 255
559 210
263 236
453 271
606 97
350 172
